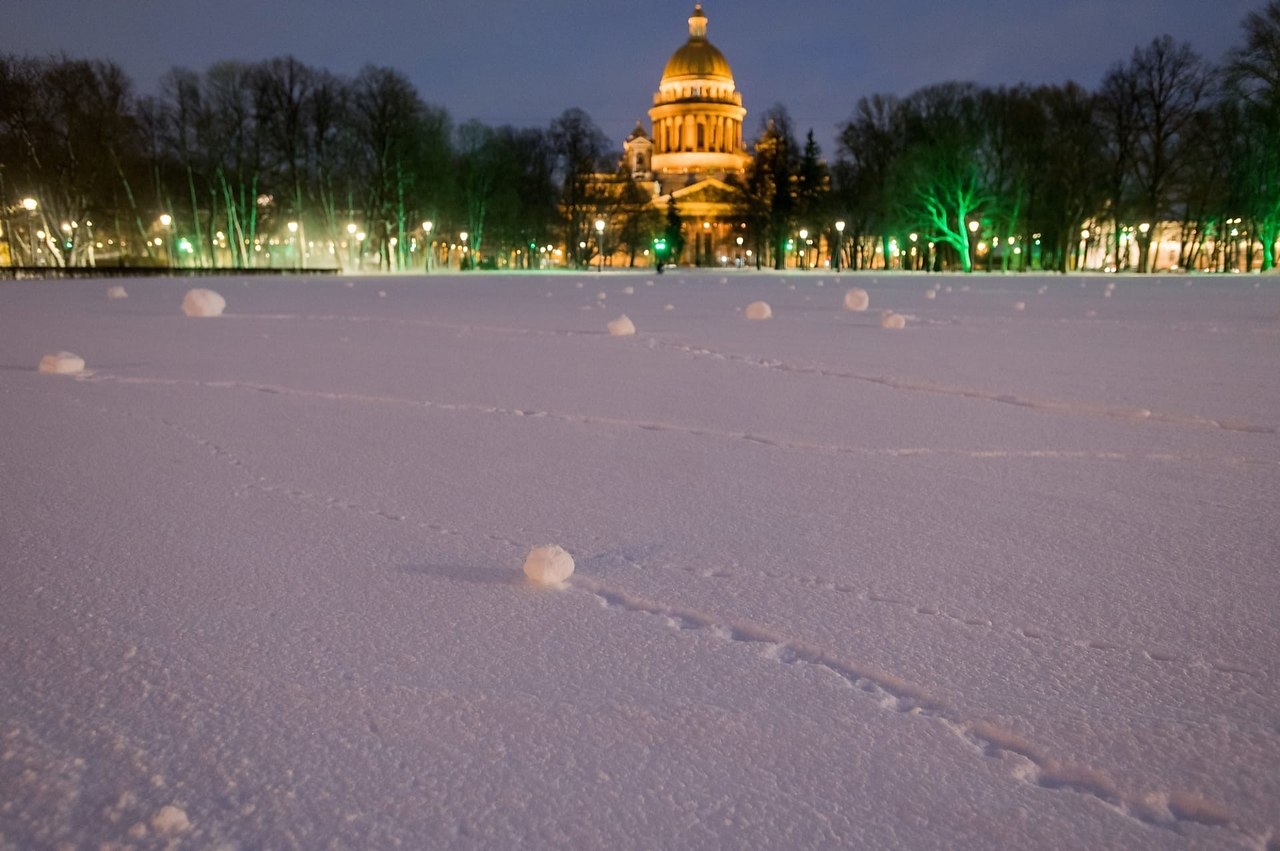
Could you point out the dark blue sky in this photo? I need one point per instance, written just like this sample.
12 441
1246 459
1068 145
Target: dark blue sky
523 62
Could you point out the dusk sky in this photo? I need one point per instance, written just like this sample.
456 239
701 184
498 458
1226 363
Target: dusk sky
522 63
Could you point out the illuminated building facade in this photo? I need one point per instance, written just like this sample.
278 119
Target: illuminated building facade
695 146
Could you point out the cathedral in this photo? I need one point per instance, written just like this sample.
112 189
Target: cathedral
695 145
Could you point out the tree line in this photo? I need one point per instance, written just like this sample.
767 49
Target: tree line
278 162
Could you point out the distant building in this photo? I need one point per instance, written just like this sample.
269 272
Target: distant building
695 146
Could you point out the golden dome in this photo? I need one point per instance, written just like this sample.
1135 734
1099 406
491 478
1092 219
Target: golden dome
697 57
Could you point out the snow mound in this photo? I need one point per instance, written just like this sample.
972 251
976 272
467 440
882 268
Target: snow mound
548 565
929 294
170 821
201 302
116 292
759 310
893 321
622 327
857 299
62 363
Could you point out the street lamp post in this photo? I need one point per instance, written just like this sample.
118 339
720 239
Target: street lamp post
462 263
297 247
166 221
351 243
803 258
839 242
426 230
30 205
600 243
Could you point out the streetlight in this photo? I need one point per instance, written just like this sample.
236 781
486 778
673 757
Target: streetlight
30 205
839 242
600 242
462 264
166 221
804 239
426 230
297 249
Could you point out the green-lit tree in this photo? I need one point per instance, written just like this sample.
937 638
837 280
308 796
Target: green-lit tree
941 186
1254 73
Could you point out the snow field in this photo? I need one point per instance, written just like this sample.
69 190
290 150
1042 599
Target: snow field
1006 581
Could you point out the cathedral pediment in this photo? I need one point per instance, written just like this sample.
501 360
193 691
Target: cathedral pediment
707 191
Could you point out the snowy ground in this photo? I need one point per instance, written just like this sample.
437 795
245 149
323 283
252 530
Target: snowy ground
1002 579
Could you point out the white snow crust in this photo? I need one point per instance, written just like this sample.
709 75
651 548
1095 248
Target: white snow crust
61 363
621 327
548 565
203 302
1004 581
856 299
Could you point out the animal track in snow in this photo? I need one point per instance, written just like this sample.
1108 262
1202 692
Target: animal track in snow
660 426
968 620
1127 414
1175 811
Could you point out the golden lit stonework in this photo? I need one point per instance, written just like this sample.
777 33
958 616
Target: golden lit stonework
697 114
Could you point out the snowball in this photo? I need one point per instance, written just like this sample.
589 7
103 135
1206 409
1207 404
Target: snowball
929 294
946 289
1106 293
821 284
857 299
628 290
170 821
622 327
1042 291
759 310
382 293
724 280
668 307
548 565
602 295
965 288
116 292
1019 306
1091 314
893 321
579 285
350 284
62 363
199 302
648 283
